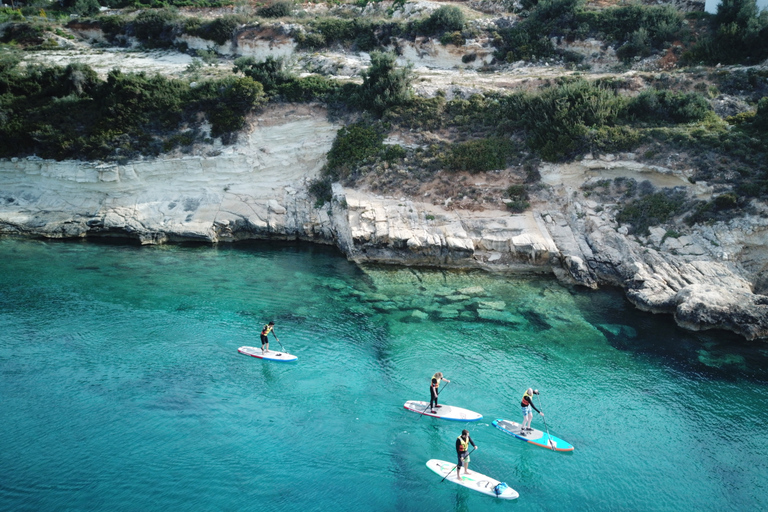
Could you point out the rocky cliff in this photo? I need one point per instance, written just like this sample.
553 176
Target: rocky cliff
257 189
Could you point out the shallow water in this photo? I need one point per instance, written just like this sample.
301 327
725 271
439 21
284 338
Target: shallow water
121 387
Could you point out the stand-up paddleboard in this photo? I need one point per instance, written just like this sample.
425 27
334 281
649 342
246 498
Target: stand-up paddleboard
444 412
270 355
534 436
474 480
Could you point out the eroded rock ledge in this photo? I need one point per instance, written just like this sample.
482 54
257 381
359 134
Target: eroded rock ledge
257 189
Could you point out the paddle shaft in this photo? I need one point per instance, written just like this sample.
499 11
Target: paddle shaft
454 467
430 404
549 438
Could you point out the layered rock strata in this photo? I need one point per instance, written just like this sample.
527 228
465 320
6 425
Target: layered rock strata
258 189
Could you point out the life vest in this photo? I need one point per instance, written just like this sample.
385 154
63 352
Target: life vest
267 329
438 379
526 400
464 444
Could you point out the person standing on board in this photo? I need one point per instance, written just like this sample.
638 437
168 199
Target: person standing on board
270 327
526 403
436 377
462 447
433 395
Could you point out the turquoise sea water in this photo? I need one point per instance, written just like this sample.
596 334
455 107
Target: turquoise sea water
121 387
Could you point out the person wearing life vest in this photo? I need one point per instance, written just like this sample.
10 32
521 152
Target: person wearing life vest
438 377
270 327
462 447
526 403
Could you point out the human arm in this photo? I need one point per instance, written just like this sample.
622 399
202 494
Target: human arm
472 443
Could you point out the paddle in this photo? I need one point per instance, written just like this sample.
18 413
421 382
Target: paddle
428 405
454 467
549 438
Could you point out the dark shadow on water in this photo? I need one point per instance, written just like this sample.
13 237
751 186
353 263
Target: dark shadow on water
715 354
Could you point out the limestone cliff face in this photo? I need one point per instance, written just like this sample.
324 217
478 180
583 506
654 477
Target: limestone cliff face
257 189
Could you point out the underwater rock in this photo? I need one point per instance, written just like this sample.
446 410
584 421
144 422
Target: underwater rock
457 298
385 306
618 330
448 314
498 305
499 316
472 290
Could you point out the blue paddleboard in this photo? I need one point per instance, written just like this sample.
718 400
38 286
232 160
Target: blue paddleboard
534 436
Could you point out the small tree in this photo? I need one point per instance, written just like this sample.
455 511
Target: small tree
384 84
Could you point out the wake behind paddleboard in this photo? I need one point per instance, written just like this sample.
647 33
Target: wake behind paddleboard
534 436
270 355
474 480
444 412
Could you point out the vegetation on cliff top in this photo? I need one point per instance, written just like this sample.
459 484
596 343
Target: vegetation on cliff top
69 112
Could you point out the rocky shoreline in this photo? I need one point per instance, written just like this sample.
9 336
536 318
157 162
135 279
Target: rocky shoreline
709 278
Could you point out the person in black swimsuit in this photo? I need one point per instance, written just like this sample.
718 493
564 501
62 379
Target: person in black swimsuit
433 395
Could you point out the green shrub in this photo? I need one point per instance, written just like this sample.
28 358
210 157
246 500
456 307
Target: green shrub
760 121
353 145
454 38
738 34
86 7
654 106
557 121
309 88
638 45
384 84
156 28
447 18
270 72
612 139
112 27
518 196
276 10
421 113
68 112
322 190
393 152
659 24
479 155
652 210
24 33
227 101
219 30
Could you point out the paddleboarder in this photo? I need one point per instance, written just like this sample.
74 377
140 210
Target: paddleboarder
462 450
270 327
433 395
526 403
439 378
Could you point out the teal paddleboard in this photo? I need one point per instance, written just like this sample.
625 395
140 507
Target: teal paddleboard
536 437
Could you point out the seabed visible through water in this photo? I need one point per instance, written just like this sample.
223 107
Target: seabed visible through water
121 387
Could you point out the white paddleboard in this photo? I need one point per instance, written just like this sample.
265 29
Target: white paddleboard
444 412
270 355
474 480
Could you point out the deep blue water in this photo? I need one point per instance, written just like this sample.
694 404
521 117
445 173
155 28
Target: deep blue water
121 387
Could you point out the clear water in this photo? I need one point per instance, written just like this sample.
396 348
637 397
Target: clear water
121 387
